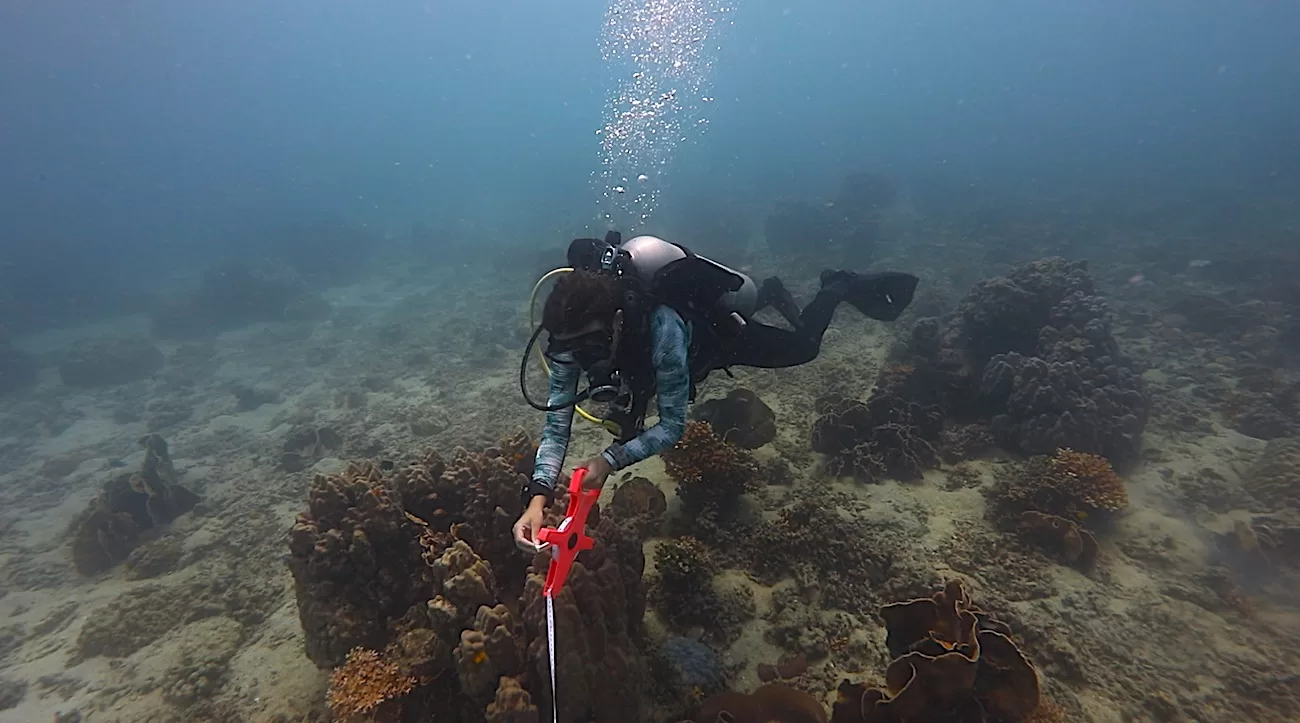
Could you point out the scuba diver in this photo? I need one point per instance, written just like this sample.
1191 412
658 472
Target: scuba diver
648 318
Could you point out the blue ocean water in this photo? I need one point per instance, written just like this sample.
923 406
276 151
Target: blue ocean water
153 133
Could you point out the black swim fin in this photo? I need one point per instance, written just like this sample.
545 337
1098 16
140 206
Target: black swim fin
883 296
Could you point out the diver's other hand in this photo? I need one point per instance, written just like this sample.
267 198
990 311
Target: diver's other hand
598 470
528 524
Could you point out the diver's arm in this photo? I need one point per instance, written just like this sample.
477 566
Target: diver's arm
554 443
671 342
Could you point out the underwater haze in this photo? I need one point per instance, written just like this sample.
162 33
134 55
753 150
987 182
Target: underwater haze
269 271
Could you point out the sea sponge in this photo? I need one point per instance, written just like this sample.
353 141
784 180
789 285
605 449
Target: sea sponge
364 682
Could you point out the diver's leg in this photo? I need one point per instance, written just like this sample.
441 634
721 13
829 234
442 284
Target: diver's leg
771 347
774 294
881 296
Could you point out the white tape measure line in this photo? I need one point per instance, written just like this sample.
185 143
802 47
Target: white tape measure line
550 647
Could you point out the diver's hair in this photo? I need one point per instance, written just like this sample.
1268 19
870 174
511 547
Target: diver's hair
578 299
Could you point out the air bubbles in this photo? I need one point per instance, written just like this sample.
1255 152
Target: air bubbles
659 51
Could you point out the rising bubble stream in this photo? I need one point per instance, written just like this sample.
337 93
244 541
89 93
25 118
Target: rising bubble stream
661 55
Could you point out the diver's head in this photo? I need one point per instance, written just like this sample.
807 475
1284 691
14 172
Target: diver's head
581 317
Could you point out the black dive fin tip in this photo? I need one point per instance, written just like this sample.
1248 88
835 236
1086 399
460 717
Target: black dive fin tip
884 296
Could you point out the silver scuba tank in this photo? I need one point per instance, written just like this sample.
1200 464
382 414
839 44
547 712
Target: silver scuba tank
645 256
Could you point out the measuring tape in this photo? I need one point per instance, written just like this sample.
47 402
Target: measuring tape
565 541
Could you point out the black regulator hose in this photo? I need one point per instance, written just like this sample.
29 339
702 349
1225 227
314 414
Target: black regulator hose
523 381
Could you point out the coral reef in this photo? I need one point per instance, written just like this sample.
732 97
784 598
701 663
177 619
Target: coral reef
1073 486
130 504
415 563
951 662
769 702
887 436
1032 352
740 418
110 361
711 474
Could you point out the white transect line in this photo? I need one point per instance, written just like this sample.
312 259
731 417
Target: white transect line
550 646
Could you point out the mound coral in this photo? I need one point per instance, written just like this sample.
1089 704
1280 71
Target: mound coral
1033 354
951 662
404 561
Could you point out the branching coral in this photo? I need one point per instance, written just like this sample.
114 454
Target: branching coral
682 590
711 474
952 662
1078 487
364 682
